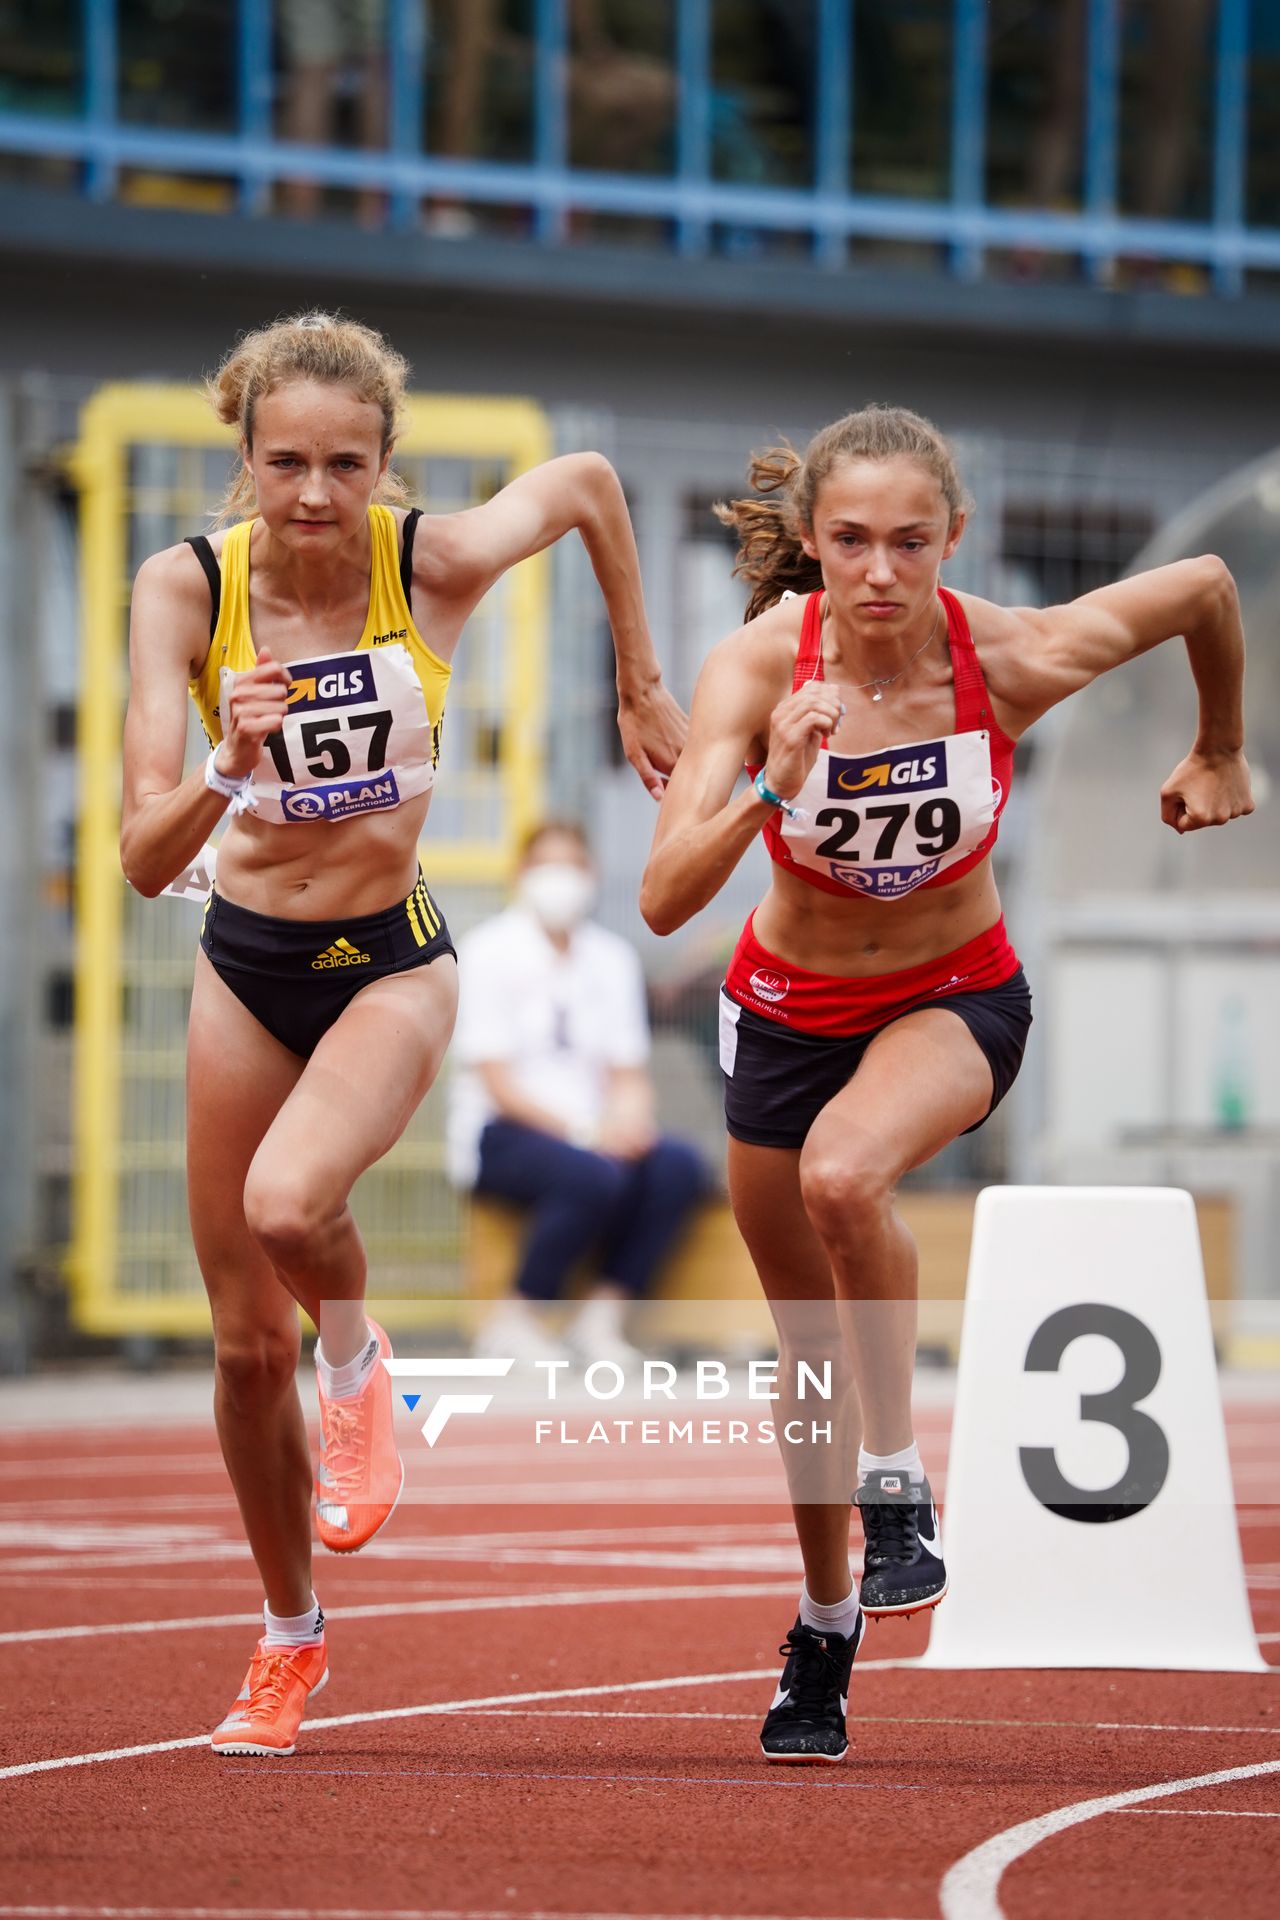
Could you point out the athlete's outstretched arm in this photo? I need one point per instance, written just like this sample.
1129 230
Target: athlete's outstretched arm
1052 653
703 830
166 820
578 490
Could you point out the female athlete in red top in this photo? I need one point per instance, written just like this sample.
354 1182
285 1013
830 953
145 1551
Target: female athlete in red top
874 1009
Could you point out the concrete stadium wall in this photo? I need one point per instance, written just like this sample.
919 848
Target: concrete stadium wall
102 320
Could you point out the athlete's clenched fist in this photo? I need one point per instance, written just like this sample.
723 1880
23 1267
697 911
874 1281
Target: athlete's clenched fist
256 707
797 728
1206 790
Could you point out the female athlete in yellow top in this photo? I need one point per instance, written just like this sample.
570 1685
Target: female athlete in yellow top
874 1008
315 636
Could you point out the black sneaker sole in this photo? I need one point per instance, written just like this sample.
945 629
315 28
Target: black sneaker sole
803 1759
905 1608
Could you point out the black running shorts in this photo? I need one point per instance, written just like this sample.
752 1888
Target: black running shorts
297 976
778 1079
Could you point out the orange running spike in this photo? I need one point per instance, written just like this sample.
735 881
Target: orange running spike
360 1474
267 1711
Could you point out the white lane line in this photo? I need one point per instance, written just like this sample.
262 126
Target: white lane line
180 1500
1200 1813
364 1913
78 1467
1173 1726
391 1581
605 1713
169 1546
970 1888
877 1719
391 1609
225 1548
66 1760
93 1535
710 1490
678 1560
136 1557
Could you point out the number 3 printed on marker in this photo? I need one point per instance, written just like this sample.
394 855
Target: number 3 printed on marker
1148 1466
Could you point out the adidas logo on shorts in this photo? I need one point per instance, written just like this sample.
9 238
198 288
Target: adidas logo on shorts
341 954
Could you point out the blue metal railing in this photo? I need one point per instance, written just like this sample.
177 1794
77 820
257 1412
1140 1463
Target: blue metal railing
551 108
968 130
406 94
833 114
253 89
693 122
1102 121
691 200
1229 141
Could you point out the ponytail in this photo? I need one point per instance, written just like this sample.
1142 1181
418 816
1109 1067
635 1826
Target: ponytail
770 556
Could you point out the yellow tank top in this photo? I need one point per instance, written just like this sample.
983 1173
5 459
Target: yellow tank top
335 725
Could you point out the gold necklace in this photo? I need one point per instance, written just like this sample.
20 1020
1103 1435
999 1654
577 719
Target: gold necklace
887 680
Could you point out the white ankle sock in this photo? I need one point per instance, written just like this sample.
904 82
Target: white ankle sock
295 1630
345 1382
907 1460
841 1617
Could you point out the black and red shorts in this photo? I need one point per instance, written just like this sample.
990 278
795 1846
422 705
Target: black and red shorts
791 1040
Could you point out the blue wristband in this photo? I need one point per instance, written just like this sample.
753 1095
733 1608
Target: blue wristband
770 798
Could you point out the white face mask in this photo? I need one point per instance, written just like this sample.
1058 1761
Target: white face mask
558 895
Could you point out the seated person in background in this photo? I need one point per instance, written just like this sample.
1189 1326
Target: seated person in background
551 1104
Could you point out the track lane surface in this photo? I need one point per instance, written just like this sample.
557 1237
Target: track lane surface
626 1802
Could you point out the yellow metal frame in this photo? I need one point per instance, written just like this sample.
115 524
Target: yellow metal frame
513 432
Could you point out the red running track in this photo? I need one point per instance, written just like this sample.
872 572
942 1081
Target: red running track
551 1710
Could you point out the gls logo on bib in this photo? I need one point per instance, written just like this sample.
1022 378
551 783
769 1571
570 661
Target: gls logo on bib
315 683
892 770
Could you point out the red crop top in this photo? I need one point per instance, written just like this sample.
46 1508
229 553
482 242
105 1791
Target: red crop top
885 823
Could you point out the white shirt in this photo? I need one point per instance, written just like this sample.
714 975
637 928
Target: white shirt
558 1021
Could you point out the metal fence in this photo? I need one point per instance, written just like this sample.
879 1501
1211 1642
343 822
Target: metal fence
1088 131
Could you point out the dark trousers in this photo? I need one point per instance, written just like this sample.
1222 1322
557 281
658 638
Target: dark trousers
632 1210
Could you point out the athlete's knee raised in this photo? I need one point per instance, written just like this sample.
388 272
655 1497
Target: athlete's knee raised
844 1187
285 1217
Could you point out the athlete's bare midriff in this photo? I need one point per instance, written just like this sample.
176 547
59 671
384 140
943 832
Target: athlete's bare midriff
321 872
858 939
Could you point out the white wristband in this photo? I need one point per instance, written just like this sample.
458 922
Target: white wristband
238 792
